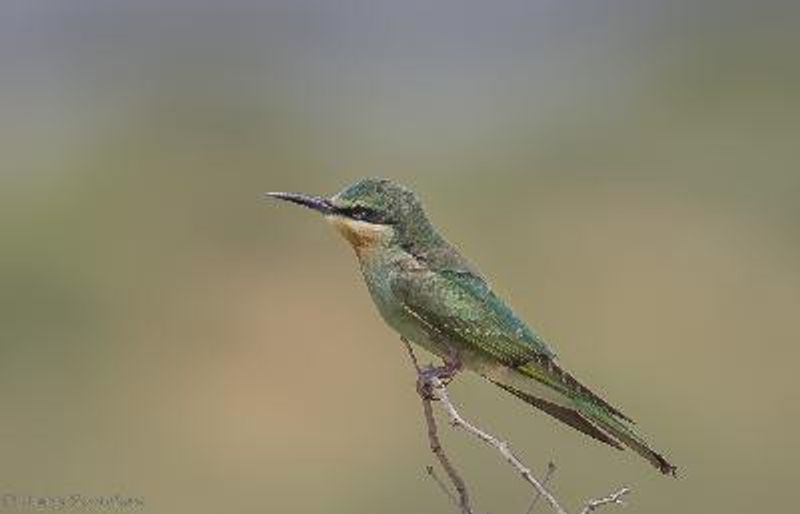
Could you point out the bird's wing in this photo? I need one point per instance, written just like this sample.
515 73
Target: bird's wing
459 306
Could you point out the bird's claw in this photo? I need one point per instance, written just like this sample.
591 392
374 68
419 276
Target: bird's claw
425 389
443 374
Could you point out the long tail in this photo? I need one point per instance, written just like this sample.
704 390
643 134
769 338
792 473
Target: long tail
625 434
586 412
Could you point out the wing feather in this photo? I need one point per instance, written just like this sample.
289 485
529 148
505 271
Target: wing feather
462 309
459 307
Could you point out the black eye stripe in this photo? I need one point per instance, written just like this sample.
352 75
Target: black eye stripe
360 213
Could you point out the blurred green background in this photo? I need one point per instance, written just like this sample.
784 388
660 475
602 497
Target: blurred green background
626 172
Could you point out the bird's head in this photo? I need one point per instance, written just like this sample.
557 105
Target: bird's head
370 213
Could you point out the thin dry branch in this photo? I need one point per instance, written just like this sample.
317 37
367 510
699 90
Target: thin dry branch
430 387
440 393
551 469
432 473
613 498
426 395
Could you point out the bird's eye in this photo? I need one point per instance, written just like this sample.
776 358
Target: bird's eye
360 213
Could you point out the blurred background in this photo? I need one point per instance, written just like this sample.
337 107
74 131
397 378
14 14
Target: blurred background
626 172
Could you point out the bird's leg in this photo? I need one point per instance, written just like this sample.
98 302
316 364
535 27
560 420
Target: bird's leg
451 365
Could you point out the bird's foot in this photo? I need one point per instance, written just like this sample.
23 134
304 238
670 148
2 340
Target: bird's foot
444 374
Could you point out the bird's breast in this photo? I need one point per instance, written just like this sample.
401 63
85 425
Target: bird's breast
377 273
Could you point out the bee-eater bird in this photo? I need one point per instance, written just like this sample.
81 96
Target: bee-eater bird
432 295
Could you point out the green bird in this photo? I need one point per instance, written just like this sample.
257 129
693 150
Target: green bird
433 296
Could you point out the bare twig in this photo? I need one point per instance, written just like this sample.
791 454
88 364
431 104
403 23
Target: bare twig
444 460
551 468
412 355
430 387
441 484
425 391
440 393
613 498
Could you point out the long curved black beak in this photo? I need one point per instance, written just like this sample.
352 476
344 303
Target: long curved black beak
316 203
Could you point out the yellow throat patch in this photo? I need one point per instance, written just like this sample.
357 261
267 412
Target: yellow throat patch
362 235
